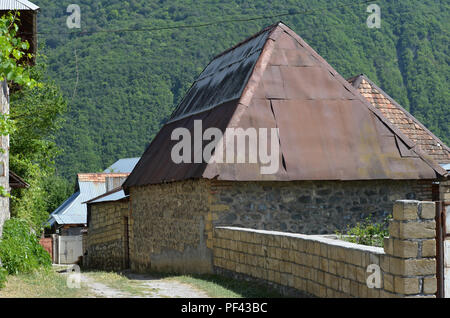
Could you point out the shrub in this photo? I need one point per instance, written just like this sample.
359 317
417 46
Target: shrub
367 232
20 251
3 273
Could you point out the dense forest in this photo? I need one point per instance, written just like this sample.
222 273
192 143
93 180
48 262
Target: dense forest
122 85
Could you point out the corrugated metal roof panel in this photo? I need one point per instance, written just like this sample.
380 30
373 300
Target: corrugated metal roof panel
116 196
125 165
17 5
73 210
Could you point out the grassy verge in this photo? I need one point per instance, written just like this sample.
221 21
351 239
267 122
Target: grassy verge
42 283
121 283
222 287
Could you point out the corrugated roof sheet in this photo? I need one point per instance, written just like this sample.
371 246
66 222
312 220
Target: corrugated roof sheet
111 196
402 119
73 210
125 165
17 5
327 129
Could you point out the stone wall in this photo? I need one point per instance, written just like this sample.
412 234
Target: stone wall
105 241
173 222
4 158
310 207
326 267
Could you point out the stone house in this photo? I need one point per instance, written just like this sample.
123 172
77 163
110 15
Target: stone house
340 160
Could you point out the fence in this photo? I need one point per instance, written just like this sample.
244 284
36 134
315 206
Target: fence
326 267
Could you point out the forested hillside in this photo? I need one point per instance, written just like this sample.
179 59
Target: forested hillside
122 86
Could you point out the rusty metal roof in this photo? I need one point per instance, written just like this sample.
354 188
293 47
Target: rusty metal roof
327 129
402 119
17 182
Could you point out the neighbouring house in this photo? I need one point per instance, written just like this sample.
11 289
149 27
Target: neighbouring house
107 243
27 31
340 160
69 220
71 216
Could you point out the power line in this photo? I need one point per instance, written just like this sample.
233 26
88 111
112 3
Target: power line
201 25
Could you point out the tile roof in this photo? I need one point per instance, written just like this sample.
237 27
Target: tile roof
402 119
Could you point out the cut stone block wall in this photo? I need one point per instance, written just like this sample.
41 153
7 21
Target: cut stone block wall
326 267
105 240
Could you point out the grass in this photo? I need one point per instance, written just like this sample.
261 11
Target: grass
47 283
216 286
42 283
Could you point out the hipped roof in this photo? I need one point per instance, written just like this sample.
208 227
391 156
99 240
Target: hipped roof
327 129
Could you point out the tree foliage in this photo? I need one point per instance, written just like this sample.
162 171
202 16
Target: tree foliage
122 86
37 113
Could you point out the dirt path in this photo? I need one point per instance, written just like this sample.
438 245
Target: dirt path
167 289
136 286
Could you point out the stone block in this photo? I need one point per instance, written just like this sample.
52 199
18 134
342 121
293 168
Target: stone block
405 249
430 285
405 210
429 248
417 230
427 210
412 267
388 282
406 285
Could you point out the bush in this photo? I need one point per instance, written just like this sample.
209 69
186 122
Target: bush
3 273
20 251
367 232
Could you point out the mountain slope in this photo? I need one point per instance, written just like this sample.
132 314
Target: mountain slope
121 86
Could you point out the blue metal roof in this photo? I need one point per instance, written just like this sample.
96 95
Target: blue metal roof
73 210
116 196
123 165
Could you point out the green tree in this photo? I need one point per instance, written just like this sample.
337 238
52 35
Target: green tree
37 113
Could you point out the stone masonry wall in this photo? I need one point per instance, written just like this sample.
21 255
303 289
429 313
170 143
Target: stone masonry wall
309 207
170 227
325 267
172 223
105 240
4 158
